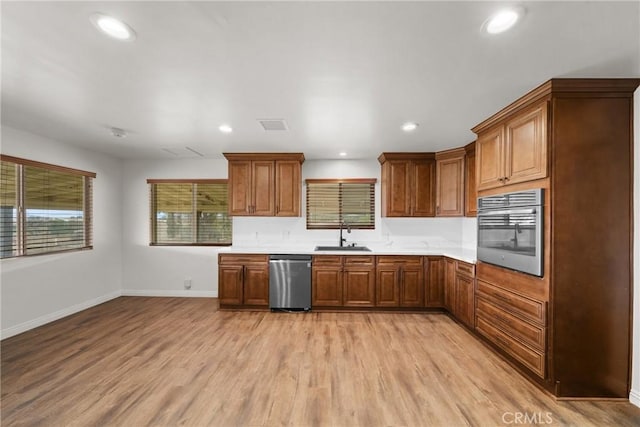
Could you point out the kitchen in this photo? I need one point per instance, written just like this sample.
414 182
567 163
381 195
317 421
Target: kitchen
122 261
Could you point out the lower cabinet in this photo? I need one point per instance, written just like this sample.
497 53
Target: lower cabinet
400 281
459 290
434 281
343 281
243 280
515 323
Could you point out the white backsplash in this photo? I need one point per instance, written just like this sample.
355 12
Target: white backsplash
396 232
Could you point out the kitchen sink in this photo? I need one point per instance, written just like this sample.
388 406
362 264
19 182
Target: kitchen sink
343 248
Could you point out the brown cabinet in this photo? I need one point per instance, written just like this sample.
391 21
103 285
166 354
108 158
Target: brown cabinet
408 184
264 184
464 303
513 151
243 280
343 281
400 281
449 284
459 290
470 190
570 329
450 182
434 281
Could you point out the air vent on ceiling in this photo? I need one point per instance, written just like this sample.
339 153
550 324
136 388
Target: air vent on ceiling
273 124
182 152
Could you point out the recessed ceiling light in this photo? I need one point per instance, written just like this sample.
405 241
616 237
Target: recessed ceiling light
409 126
225 129
342 154
112 27
503 20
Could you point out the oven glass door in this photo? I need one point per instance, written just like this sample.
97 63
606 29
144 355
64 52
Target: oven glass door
512 238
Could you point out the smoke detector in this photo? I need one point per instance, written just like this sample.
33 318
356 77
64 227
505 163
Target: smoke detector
118 133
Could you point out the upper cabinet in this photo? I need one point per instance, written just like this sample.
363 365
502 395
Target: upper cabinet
450 182
264 184
408 184
470 190
514 150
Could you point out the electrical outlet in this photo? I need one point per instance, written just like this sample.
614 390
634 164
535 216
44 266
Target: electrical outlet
187 283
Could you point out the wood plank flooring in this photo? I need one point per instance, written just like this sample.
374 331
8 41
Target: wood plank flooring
138 361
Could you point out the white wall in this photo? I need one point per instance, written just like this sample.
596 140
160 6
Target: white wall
162 270
634 396
39 289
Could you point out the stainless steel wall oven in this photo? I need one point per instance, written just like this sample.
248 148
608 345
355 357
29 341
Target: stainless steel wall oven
511 230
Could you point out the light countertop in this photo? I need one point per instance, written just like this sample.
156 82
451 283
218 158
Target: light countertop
461 254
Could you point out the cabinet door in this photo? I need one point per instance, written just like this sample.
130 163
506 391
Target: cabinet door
256 284
489 159
263 195
287 188
423 188
470 191
526 146
434 283
449 284
450 187
230 284
359 286
326 286
464 310
239 187
388 286
398 188
411 286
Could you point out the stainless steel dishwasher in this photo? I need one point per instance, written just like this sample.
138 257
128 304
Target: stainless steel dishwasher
290 282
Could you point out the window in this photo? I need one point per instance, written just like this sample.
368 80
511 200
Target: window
190 212
331 202
43 208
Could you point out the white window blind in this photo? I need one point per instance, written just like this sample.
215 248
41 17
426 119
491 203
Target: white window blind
43 208
331 202
190 212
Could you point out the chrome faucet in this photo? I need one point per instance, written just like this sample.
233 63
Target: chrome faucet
343 240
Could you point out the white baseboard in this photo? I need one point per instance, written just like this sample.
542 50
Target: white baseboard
169 293
634 397
42 320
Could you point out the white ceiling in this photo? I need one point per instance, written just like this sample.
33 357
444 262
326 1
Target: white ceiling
344 75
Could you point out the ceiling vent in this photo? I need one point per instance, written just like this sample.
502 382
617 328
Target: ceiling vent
273 124
186 152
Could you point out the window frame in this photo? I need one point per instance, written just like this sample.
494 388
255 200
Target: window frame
21 211
340 181
153 211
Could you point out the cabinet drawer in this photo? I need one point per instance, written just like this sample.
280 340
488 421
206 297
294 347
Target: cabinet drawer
242 259
528 333
530 358
465 269
359 260
327 260
526 308
400 259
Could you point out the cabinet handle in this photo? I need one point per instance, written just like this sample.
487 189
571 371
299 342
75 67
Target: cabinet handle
506 178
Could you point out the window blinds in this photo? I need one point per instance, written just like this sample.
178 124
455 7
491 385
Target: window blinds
43 208
331 202
189 212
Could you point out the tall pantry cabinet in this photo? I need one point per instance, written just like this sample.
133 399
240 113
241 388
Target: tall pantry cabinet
574 138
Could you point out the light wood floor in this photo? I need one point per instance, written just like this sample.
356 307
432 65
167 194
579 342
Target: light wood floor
176 361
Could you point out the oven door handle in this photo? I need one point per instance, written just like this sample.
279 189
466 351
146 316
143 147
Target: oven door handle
508 212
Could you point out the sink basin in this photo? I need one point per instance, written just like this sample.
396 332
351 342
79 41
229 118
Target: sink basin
343 248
